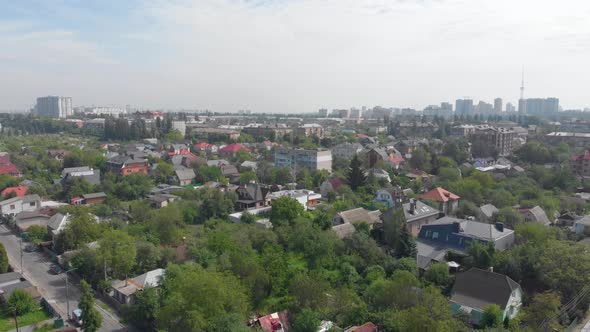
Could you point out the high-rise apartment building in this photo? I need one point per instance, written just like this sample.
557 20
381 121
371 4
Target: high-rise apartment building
542 106
498 105
463 106
510 108
54 107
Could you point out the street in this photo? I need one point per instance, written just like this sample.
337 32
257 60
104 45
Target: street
52 287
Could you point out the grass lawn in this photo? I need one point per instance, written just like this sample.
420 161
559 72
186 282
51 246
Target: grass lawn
7 321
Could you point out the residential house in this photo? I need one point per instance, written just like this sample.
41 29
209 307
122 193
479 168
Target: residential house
346 150
367 327
476 289
343 222
392 196
27 219
13 206
535 214
58 154
447 201
7 167
252 196
379 174
84 172
124 290
275 322
582 225
446 234
307 198
126 165
205 147
178 150
581 163
56 224
161 200
374 156
94 198
416 213
18 191
250 165
331 185
310 129
185 176
232 149
486 212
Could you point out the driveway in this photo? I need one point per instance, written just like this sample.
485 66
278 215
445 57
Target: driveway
36 266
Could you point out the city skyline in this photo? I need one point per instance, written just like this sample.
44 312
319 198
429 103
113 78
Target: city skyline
292 56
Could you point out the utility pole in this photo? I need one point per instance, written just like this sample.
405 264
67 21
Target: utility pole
68 293
16 320
20 242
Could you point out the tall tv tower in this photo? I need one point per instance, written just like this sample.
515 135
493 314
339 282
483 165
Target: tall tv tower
522 101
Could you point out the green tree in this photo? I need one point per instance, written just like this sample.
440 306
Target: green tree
142 314
4 264
438 274
164 172
356 175
421 160
306 321
406 244
481 254
392 227
21 302
91 318
542 306
194 298
492 316
37 233
117 250
285 209
82 228
247 177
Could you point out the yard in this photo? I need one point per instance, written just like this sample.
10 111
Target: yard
7 321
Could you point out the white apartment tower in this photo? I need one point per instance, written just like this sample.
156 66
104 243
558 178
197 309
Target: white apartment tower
54 107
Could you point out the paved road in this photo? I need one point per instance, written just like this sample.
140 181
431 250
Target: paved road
36 268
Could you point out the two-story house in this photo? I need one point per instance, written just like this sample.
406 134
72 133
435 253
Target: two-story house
127 165
13 206
446 234
447 201
252 196
416 213
477 289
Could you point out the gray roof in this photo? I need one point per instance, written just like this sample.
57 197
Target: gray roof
10 276
216 162
478 289
30 214
539 215
94 195
359 215
344 230
185 174
24 199
480 230
68 170
585 220
56 220
422 210
8 289
488 210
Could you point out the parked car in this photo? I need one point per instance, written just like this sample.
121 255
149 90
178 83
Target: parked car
77 317
56 269
31 247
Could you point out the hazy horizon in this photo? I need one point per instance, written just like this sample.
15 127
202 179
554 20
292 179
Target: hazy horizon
289 56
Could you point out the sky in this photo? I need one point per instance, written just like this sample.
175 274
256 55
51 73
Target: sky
292 55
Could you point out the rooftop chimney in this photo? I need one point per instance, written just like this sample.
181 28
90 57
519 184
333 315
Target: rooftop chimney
500 226
413 206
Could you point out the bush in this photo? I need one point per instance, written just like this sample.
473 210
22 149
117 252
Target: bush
37 233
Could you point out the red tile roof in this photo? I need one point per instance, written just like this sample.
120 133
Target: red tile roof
367 327
585 156
233 148
275 321
396 160
202 145
440 195
20 191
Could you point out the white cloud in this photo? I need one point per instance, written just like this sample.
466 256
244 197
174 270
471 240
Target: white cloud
300 55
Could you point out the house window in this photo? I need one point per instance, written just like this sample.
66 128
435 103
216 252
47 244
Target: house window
32 204
12 207
461 241
434 235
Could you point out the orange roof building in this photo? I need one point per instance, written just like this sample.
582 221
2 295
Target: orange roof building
448 201
19 191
